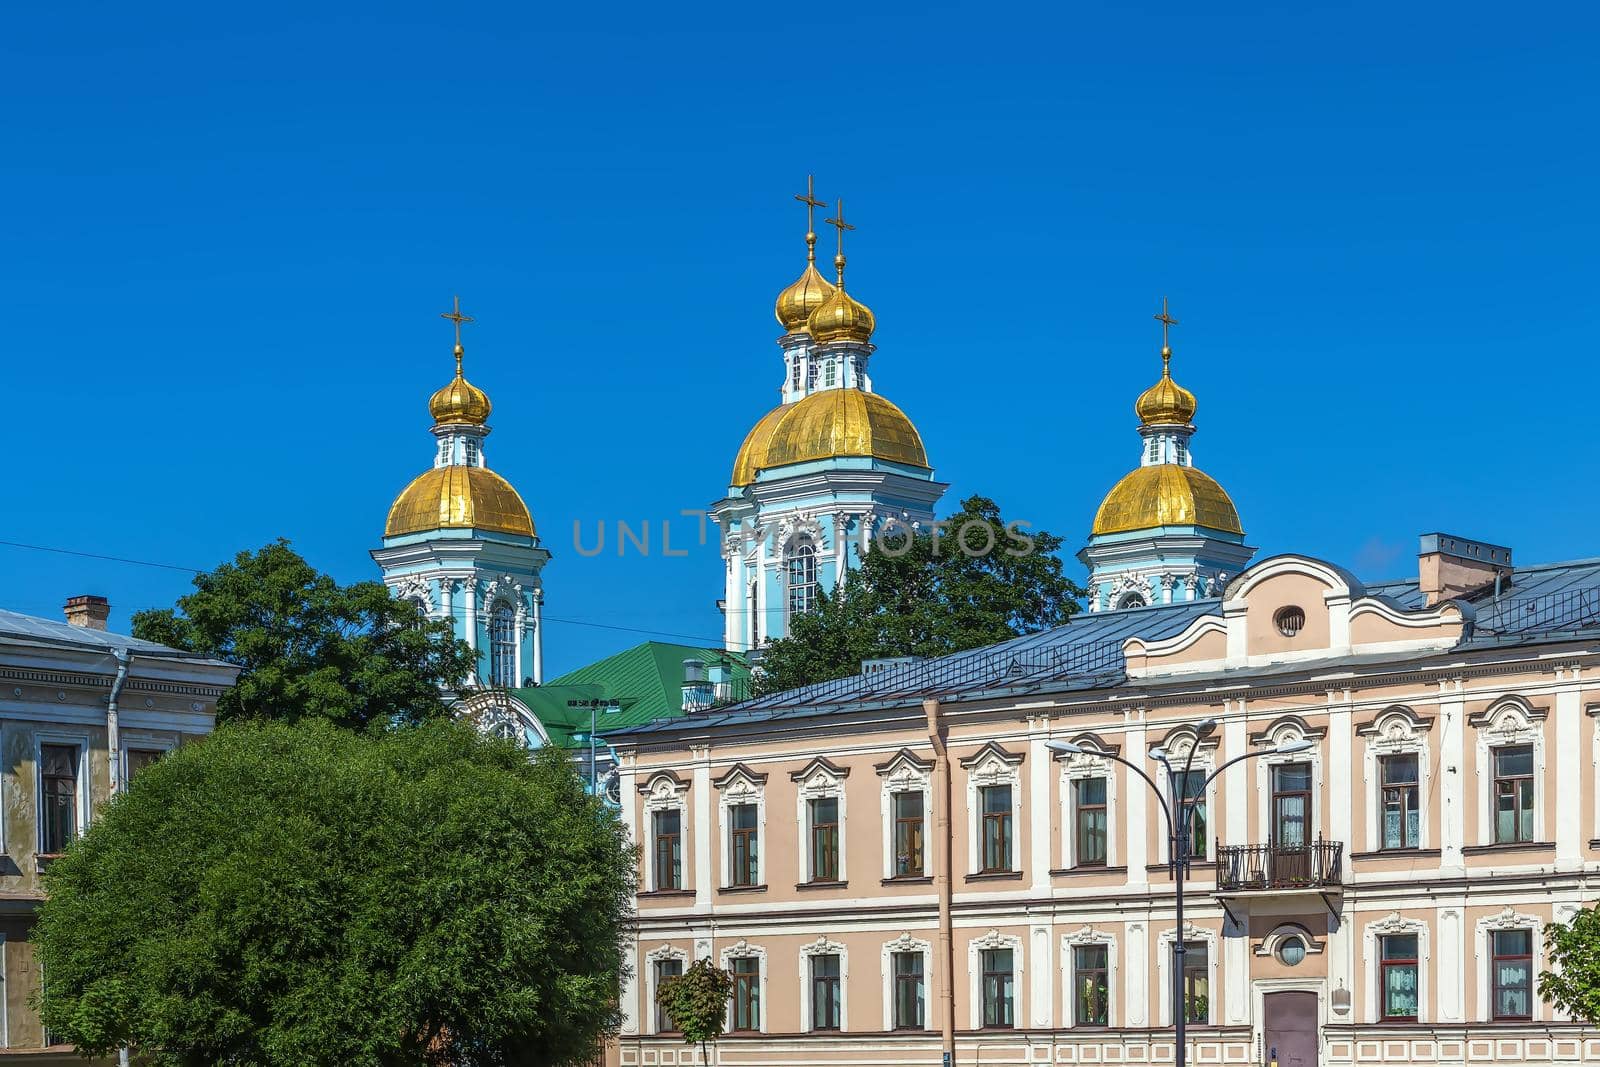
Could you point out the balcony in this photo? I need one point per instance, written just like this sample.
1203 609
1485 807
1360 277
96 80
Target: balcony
1252 870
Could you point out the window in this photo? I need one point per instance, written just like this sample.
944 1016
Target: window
996 801
666 969
742 844
1511 974
1290 620
1155 449
800 578
997 988
1401 820
471 450
1190 786
140 758
811 375
1089 797
908 835
830 370
1397 976
1091 982
824 839
746 993
1292 951
825 1000
908 991
58 794
1180 451
1513 793
1291 805
794 373
503 647
669 849
1196 982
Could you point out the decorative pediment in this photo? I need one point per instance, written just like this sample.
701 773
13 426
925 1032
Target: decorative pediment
740 778
1086 935
822 947
665 952
905 763
1269 944
1286 728
1395 923
1090 741
415 588
995 939
1508 918
1180 741
1509 716
663 784
820 768
905 943
1396 725
991 753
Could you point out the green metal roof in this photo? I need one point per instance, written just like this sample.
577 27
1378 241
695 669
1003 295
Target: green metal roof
646 682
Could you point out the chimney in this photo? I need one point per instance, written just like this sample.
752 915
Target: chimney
90 612
1450 566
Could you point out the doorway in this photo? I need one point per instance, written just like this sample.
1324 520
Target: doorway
1289 1028
1291 825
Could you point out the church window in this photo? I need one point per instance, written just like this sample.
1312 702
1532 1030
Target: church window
1131 600
473 452
800 573
811 375
829 372
1180 452
1155 450
1290 620
794 373
503 647
444 452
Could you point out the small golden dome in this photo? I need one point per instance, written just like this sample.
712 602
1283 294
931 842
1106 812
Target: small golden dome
842 422
459 498
841 318
460 401
796 303
1166 494
753 453
1165 401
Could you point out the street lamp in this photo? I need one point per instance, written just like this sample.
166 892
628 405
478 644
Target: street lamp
1178 811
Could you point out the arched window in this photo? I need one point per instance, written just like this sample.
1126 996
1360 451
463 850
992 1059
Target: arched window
800 578
1131 600
503 647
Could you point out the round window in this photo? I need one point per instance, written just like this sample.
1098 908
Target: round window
1290 620
1291 950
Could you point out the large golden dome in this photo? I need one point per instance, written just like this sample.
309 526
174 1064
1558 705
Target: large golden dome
796 303
1165 401
753 453
841 422
459 498
841 317
1166 494
460 401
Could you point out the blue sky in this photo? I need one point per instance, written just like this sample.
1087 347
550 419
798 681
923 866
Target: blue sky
229 231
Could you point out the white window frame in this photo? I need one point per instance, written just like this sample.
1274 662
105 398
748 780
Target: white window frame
138 742
820 780
1076 767
1396 732
823 947
1178 745
1392 925
907 943
663 792
1164 942
992 765
738 786
905 772
651 958
742 949
1508 721
994 939
1281 734
51 737
1086 936
1508 918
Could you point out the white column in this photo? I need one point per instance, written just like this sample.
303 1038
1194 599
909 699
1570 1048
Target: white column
1136 977
519 623
705 821
761 585
1235 974
1452 771
1039 768
1236 788
1136 825
1042 976
630 815
1340 773
1568 805
734 637
538 637
1450 964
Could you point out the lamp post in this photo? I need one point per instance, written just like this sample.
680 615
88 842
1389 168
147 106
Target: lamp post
611 708
1178 810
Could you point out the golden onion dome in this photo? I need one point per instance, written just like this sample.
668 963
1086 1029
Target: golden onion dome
841 317
796 303
1165 401
1166 494
460 401
459 497
843 422
753 453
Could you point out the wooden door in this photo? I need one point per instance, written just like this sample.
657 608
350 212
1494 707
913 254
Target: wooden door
1290 1029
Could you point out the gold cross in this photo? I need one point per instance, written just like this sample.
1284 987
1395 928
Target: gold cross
809 199
1167 322
456 317
840 225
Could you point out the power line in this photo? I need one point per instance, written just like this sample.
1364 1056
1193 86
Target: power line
707 642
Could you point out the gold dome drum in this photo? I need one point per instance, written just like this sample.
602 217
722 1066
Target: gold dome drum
459 498
1166 494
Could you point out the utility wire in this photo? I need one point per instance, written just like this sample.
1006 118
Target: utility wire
704 641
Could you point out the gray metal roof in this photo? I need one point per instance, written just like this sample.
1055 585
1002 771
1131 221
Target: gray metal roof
1540 603
49 631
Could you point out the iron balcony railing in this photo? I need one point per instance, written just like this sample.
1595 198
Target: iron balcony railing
1315 865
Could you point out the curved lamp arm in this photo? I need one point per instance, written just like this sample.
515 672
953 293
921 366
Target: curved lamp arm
1070 748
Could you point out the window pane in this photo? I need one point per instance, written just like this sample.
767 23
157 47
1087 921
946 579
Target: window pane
1513 761
1291 777
908 805
1513 943
996 799
1091 791
1196 982
1400 991
1400 947
743 816
1400 770
825 811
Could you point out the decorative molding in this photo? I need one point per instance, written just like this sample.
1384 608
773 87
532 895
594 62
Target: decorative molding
1272 734
1385 722
905 757
819 766
734 774
991 751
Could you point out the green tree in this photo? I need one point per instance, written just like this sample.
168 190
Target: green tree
697 1003
1573 982
306 896
310 647
972 580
